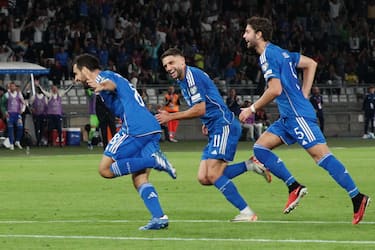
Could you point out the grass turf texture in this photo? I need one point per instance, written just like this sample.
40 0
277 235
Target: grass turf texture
55 199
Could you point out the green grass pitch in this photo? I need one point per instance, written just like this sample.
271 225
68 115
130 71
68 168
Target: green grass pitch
54 199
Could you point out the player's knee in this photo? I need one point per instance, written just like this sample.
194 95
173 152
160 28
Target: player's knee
105 172
204 181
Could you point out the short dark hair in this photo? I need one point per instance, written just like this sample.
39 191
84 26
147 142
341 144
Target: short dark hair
263 25
171 52
89 61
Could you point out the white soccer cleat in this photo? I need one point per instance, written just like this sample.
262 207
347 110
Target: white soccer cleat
259 168
245 218
18 144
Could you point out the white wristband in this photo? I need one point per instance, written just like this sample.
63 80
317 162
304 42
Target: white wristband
252 108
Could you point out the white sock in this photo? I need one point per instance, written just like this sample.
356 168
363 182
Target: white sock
247 210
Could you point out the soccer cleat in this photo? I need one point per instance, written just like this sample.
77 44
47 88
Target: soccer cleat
162 164
173 140
294 198
259 168
245 218
11 147
18 144
156 224
358 216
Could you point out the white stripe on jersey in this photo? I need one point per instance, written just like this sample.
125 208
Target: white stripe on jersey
262 57
190 78
116 142
306 129
224 139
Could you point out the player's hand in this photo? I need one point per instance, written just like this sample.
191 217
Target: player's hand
204 130
245 113
93 84
162 116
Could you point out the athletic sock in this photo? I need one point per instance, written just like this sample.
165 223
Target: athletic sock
229 190
131 165
293 186
235 170
151 199
338 172
357 200
273 163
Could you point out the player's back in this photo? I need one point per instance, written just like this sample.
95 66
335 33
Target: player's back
279 63
196 87
136 118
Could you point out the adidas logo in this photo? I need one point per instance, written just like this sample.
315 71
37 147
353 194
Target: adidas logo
214 152
152 195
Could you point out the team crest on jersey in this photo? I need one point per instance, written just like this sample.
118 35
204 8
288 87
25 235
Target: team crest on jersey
264 66
193 90
285 55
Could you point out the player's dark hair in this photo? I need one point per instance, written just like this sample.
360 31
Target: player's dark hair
89 61
263 25
171 52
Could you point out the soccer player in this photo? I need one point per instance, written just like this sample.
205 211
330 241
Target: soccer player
135 148
297 122
219 124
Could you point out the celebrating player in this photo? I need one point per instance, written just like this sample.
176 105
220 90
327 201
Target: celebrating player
219 123
297 122
135 148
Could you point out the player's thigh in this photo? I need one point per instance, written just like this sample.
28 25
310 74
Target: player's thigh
269 140
202 173
222 142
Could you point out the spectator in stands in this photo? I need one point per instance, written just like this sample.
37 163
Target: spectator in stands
39 107
368 107
62 57
54 110
233 102
15 107
316 100
172 105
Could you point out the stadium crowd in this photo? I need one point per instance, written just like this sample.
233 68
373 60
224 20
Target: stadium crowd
129 36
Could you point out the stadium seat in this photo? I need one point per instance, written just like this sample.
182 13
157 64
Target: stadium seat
343 98
151 92
73 100
80 92
82 100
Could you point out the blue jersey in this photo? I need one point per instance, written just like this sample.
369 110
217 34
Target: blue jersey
125 102
281 64
197 87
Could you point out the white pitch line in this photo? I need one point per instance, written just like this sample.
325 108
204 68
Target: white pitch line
175 221
87 237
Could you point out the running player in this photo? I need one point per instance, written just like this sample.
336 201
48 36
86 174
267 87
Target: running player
297 122
135 148
219 124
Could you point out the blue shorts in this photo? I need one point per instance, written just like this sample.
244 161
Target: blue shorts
14 120
222 142
123 146
298 129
